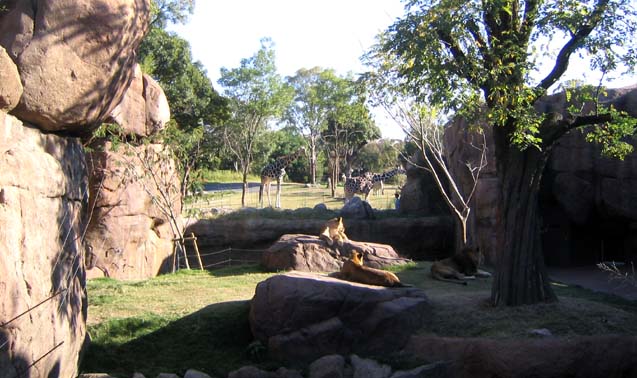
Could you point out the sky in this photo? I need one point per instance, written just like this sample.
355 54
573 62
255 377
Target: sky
327 33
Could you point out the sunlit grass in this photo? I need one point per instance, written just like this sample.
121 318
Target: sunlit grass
293 196
195 319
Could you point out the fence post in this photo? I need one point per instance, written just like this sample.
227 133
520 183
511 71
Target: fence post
194 242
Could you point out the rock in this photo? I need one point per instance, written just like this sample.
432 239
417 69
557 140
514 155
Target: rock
10 85
75 60
320 207
435 370
95 375
403 234
584 356
251 372
167 375
330 366
192 373
302 316
138 375
542 332
357 209
366 368
43 202
311 254
283 372
157 108
129 236
144 109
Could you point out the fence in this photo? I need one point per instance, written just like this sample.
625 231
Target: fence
211 260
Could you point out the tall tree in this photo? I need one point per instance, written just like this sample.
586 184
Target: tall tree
257 95
349 126
197 110
311 107
464 55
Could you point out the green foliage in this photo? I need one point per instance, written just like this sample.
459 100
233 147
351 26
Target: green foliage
611 136
378 156
164 12
463 55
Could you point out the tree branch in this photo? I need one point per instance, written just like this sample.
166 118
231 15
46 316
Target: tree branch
576 41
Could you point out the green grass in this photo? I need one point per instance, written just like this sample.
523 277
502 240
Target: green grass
194 319
227 176
293 196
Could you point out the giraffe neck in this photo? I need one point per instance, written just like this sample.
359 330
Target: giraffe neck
385 175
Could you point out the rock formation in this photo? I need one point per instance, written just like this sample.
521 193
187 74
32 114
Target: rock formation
580 191
43 196
75 58
135 191
303 316
64 65
310 254
416 238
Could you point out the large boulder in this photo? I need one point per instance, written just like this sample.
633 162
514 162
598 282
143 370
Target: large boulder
311 254
76 58
131 229
405 235
10 85
303 316
144 109
43 196
583 357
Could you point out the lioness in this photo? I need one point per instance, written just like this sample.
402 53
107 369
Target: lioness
354 270
460 267
334 231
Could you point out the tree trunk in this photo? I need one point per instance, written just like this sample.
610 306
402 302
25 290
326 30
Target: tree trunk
244 188
521 276
313 165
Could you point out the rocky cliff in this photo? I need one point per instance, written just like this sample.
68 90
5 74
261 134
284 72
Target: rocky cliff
64 66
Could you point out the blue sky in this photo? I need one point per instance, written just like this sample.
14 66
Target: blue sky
328 33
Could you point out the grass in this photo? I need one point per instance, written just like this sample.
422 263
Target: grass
194 319
293 196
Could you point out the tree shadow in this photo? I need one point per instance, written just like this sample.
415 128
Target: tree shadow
213 340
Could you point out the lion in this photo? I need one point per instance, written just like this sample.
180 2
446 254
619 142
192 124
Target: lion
334 231
354 270
460 267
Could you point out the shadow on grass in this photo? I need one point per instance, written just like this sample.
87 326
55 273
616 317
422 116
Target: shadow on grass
212 340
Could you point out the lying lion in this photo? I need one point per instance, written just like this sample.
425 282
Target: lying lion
334 231
460 267
354 270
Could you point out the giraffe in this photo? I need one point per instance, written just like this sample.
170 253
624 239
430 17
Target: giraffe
364 184
276 171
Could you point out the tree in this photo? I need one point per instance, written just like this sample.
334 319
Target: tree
170 11
310 108
349 125
197 110
464 56
377 156
257 94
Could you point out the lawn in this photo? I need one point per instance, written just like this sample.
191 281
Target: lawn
195 319
293 196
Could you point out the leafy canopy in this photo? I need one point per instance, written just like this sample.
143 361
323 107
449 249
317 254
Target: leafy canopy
461 55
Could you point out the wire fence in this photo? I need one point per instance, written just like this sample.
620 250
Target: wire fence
192 258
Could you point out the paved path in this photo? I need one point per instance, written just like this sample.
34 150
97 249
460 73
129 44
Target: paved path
593 278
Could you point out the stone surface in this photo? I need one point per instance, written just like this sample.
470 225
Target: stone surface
251 372
75 57
43 197
144 108
356 208
129 236
330 366
584 357
367 368
310 254
10 85
435 370
405 235
192 373
580 188
302 316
